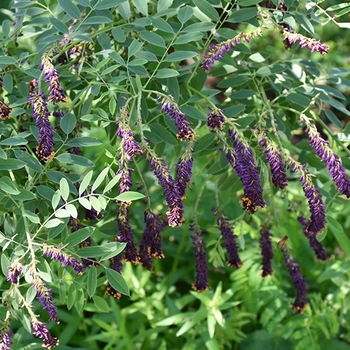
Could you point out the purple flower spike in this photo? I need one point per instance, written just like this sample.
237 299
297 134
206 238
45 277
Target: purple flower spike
314 243
129 144
45 150
202 277
151 242
230 239
52 77
126 235
313 195
14 272
181 121
170 187
299 282
244 165
274 158
5 337
183 173
5 111
40 330
216 119
331 160
56 253
266 251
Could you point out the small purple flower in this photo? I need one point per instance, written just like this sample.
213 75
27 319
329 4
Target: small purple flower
5 337
331 160
282 6
56 253
299 282
129 144
230 239
126 235
52 77
151 242
266 251
41 331
5 111
217 51
216 119
244 165
183 173
274 158
313 195
291 38
201 262
44 295
180 119
45 150
314 243
14 272
124 171
170 187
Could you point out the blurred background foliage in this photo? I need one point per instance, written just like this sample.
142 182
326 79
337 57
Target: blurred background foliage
241 310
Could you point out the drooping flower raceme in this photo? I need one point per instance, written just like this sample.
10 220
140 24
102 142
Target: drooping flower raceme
274 158
40 330
5 111
45 150
14 271
129 144
215 119
184 171
201 260
229 238
6 334
181 122
217 51
331 160
244 165
266 251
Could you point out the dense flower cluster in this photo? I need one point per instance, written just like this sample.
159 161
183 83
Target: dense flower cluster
56 253
244 165
299 282
291 38
40 330
52 77
5 111
201 260
217 51
170 187
274 158
15 270
331 160
314 243
184 172
5 336
129 144
181 122
230 239
266 251
215 119
45 150
151 242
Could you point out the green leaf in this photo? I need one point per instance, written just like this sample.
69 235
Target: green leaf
129 196
72 294
99 179
78 236
84 142
14 141
12 164
93 251
152 38
188 37
112 183
3 154
53 223
5 263
199 27
45 192
178 56
142 6
7 60
248 2
62 213
31 216
167 73
243 15
8 82
117 281
234 81
333 118
55 199
68 158
97 20
92 281
298 99
184 14
85 203
71 9
64 188
339 234
30 161
68 123
162 25
7 185
59 25
107 4
163 134
134 47
24 195
115 249
85 183
242 94
163 5
72 210
305 23
100 303
207 9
